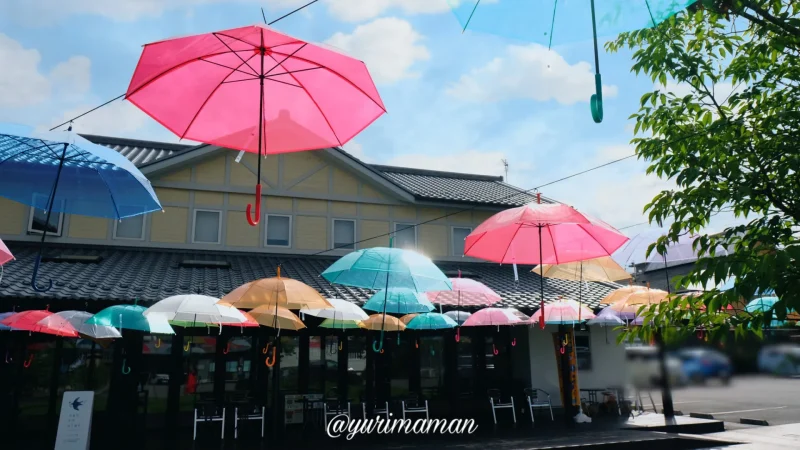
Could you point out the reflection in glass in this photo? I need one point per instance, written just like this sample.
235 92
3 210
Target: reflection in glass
399 370
464 374
238 364
73 373
290 363
100 380
198 384
323 365
34 387
431 351
356 367
155 372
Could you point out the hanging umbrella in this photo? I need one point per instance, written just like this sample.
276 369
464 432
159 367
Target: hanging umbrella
607 317
255 89
621 293
635 300
563 312
458 316
493 317
408 318
31 321
465 292
277 291
568 21
399 301
62 172
4 316
341 324
597 269
191 309
383 322
431 321
131 317
520 315
5 254
341 310
78 320
277 317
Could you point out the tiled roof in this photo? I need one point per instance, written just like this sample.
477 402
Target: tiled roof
141 153
149 275
455 187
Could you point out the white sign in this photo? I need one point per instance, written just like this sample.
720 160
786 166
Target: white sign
75 421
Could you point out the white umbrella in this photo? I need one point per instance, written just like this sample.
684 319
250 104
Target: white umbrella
195 309
342 310
78 320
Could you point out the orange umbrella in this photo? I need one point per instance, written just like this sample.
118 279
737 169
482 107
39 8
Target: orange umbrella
633 301
376 322
279 291
408 318
621 293
276 317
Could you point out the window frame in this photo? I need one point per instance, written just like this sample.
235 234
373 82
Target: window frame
219 228
266 230
452 238
333 234
416 232
59 228
588 354
141 238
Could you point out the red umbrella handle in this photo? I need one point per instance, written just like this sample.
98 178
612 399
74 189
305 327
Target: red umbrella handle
227 349
254 221
494 350
514 342
541 316
458 334
28 362
271 362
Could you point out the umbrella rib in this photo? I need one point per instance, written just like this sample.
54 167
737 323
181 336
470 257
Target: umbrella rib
228 67
279 64
255 72
110 194
285 82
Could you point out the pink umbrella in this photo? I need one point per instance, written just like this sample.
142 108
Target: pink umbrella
563 312
41 321
542 234
493 317
5 253
257 90
466 292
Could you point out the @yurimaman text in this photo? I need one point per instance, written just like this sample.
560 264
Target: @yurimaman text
342 425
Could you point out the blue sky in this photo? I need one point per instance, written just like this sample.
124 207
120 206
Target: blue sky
459 102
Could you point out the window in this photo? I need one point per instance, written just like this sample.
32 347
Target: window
405 236
279 230
37 218
344 234
207 227
459 234
583 352
129 228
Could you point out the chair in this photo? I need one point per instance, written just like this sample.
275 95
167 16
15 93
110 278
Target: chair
334 407
379 409
247 411
496 402
538 398
413 405
209 412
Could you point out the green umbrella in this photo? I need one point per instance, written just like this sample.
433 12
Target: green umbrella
341 324
130 317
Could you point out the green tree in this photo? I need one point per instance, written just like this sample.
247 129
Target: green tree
731 144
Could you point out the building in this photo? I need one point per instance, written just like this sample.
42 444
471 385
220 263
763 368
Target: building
201 243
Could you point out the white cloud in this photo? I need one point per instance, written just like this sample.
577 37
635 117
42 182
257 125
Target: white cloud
356 150
389 46
531 72
21 83
72 78
360 10
118 119
470 161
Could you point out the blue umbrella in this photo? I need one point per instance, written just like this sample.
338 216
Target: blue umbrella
63 172
431 321
399 301
458 316
4 316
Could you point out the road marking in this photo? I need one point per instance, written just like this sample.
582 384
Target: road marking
747 410
682 403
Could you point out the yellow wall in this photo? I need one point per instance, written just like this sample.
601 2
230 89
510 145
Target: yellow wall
310 233
13 217
88 227
170 226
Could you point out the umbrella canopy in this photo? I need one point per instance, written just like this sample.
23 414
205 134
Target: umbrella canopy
563 312
458 316
62 172
131 317
340 310
5 253
379 268
399 301
341 324
32 321
383 322
621 293
78 320
284 292
635 300
277 317
465 292
431 321
192 309
596 269
408 318
493 317
4 316
607 317
681 252
255 89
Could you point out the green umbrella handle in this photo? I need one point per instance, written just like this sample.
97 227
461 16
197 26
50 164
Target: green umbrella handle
375 347
597 100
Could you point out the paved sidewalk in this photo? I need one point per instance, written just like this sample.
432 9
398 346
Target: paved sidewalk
774 437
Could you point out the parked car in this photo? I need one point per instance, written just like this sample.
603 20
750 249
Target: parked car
644 371
780 359
702 364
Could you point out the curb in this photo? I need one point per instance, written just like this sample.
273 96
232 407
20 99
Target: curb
758 422
701 416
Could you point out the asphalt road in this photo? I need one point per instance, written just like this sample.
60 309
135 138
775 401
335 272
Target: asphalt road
753 397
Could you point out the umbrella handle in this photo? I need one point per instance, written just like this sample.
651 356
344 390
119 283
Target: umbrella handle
274 357
187 346
458 334
381 351
36 272
514 342
265 350
8 359
340 345
251 221
227 348
561 350
416 343
699 334
125 369
28 362
433 351
398 338
495 350
541 316
596 102
158 343
377 348
220 329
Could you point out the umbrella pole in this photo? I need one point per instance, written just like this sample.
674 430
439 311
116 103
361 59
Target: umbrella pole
254 221
377 348
597 98
666 394
47 223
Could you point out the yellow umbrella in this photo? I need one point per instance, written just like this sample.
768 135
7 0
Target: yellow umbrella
633 301
284 292
597 269
276 317
376 322
408 318
621 293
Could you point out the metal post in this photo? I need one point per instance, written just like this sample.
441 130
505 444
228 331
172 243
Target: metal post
666 394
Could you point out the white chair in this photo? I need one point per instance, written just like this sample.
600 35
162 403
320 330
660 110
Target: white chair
496 402
380 409
247 413
538 399
414 406
209 412
333 408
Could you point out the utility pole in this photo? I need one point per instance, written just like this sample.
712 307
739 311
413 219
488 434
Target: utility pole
505 166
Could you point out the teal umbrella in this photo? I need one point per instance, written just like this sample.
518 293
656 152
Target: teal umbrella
399 301
565 21
130 317
764 305
431 321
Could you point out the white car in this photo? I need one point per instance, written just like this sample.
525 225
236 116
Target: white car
644 370
780 359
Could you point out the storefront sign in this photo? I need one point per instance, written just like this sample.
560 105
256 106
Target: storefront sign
566 344
75 421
